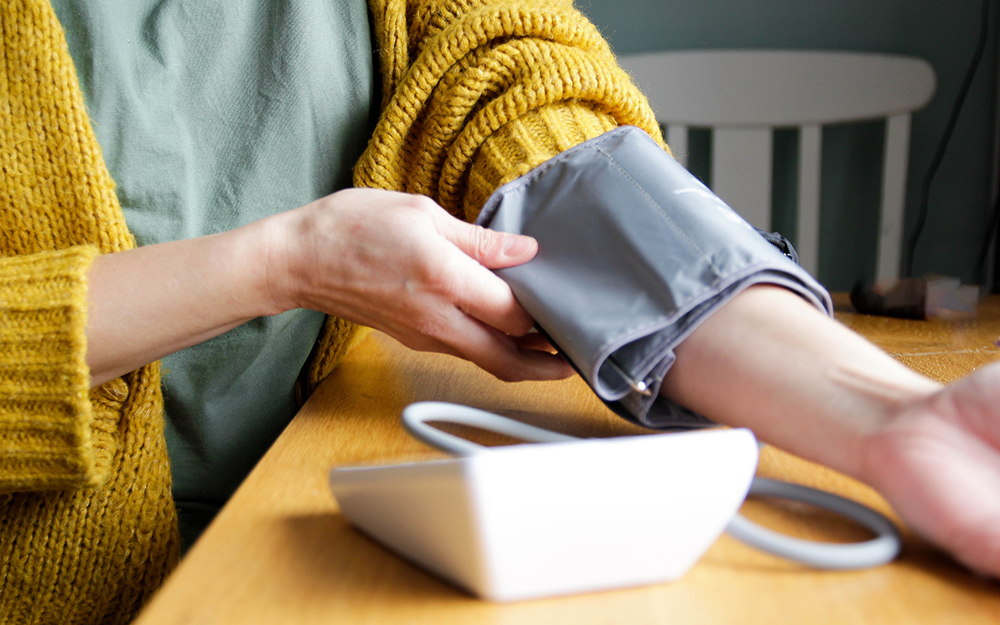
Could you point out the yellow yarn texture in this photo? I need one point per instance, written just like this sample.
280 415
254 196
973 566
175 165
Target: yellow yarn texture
479 92
476 93
87 524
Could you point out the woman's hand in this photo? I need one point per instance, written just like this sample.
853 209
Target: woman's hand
938 463
399 263
392 261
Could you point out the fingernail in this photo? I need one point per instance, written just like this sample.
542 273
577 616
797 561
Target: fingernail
516 246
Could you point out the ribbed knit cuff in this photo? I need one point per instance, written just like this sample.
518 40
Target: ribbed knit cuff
49 437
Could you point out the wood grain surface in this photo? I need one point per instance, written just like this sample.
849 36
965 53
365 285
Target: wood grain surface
281 553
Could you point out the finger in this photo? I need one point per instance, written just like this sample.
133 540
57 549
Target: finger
480 293
490 248
534 340
491 350
485 296
501 356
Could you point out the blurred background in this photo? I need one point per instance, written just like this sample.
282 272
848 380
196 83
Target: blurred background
962 195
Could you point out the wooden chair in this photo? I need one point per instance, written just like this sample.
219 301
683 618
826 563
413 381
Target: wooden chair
742 95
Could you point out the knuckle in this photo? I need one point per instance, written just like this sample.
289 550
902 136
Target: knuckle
486 243
419 267
432 324
437 280
423 204
522 324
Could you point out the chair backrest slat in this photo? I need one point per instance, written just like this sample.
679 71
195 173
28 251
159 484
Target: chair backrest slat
741 171
810 167
677 139
894 166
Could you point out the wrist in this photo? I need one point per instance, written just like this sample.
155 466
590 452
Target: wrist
270 247
896 428
870 403
152 301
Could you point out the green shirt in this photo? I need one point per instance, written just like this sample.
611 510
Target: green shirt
213 114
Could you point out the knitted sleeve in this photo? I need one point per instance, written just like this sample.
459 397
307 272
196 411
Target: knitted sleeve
58 210
51 434
478 92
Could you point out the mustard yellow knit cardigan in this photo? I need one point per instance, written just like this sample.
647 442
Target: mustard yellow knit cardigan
476 93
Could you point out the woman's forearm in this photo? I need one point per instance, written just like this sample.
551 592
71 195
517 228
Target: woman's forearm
152 301
807 384
802 381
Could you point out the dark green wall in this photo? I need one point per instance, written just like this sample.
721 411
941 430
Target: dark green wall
944 33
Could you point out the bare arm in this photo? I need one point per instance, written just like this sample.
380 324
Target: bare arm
810 385
800 380
152 301
392 261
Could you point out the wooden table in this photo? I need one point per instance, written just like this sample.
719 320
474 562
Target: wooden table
281 553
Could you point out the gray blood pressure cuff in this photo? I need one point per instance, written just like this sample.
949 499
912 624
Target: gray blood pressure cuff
634 253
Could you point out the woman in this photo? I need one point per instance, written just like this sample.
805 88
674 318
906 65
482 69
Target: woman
214 121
